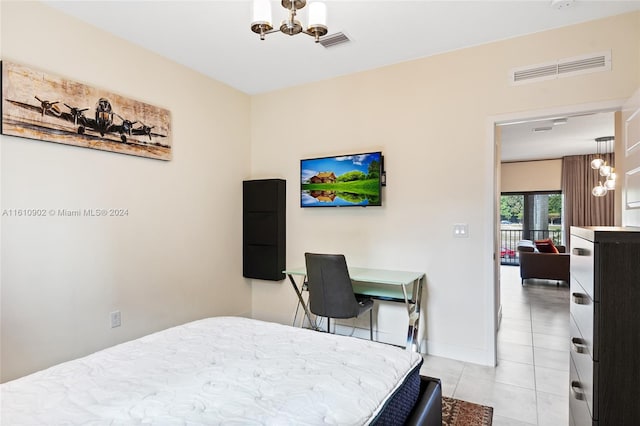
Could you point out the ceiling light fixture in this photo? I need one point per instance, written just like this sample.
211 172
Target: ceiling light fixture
605 170
262 23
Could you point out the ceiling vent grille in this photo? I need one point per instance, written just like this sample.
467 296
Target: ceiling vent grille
334 40
561 68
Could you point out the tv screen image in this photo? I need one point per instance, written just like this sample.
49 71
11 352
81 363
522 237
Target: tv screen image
341 181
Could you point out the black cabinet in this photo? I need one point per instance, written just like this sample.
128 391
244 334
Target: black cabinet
264 229
605 326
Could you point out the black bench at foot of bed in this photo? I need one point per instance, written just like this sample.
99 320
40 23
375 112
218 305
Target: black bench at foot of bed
428 409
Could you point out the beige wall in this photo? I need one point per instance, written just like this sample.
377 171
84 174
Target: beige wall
525 176
177 256
174 258
431 118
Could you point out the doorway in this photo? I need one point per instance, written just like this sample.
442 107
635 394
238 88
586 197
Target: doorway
496 126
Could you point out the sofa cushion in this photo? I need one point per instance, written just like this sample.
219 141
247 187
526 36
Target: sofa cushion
529 249
546 246
526 245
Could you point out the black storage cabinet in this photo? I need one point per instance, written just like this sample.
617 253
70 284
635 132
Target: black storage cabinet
604 326
264 229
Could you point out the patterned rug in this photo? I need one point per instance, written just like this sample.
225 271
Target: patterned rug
456 412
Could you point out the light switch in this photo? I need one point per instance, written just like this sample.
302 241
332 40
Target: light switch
461 230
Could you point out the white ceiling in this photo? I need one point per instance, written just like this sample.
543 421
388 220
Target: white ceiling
213 36
521 143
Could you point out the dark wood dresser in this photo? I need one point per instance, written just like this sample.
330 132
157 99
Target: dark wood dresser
605 326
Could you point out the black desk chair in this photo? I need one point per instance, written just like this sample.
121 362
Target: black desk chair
330 289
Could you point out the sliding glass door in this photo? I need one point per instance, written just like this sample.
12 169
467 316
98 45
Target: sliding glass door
528 216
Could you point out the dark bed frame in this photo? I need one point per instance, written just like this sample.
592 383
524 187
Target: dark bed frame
428 409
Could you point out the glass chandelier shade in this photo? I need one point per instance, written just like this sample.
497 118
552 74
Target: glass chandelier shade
317 19
604 170
597 163
261 22
599 190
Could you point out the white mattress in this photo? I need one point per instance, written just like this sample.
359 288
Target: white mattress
223 370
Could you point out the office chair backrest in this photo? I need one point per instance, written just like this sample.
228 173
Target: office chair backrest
330 288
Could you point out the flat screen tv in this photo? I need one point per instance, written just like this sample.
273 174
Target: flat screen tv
342 181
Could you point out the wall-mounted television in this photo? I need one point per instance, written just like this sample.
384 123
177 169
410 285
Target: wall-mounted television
342 181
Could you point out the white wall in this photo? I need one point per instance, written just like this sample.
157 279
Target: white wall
174 258
430 117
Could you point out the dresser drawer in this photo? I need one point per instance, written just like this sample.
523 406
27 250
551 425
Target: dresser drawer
582 257
578 410
584 311
585 367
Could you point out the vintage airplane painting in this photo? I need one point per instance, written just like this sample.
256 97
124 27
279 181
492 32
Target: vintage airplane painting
42 106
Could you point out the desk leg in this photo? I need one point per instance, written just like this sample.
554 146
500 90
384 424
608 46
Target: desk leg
302 302
414 316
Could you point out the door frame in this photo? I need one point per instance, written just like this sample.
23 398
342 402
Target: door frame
492 191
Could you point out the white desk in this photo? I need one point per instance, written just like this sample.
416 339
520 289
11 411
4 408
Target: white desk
379 284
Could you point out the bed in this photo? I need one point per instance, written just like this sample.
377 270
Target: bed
232 371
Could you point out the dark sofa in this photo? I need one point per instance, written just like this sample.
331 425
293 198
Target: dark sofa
546 266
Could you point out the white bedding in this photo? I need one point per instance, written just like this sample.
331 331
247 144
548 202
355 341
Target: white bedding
222 370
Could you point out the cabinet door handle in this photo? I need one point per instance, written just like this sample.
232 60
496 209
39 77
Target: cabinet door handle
580 299
576 390
578 345
580 251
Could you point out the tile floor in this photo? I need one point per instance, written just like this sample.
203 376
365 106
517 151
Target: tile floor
529 386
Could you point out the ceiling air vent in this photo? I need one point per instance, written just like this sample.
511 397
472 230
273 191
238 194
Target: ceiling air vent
562 68
334 39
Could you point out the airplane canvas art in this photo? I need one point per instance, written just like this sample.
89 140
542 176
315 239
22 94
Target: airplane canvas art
39 105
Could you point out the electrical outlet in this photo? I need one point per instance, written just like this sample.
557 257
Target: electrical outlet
116 319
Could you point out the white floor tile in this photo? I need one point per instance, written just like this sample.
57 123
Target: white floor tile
553 410
550 358
514 352
515 403
529 386
548 341
517 324
447 370
474 391
516 313
508 401
557 328
548 310
504 421
552 381
515 336
506 372
544 316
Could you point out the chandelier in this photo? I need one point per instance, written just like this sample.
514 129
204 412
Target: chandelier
262 23
605 170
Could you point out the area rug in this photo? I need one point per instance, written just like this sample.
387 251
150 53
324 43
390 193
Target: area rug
456 412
